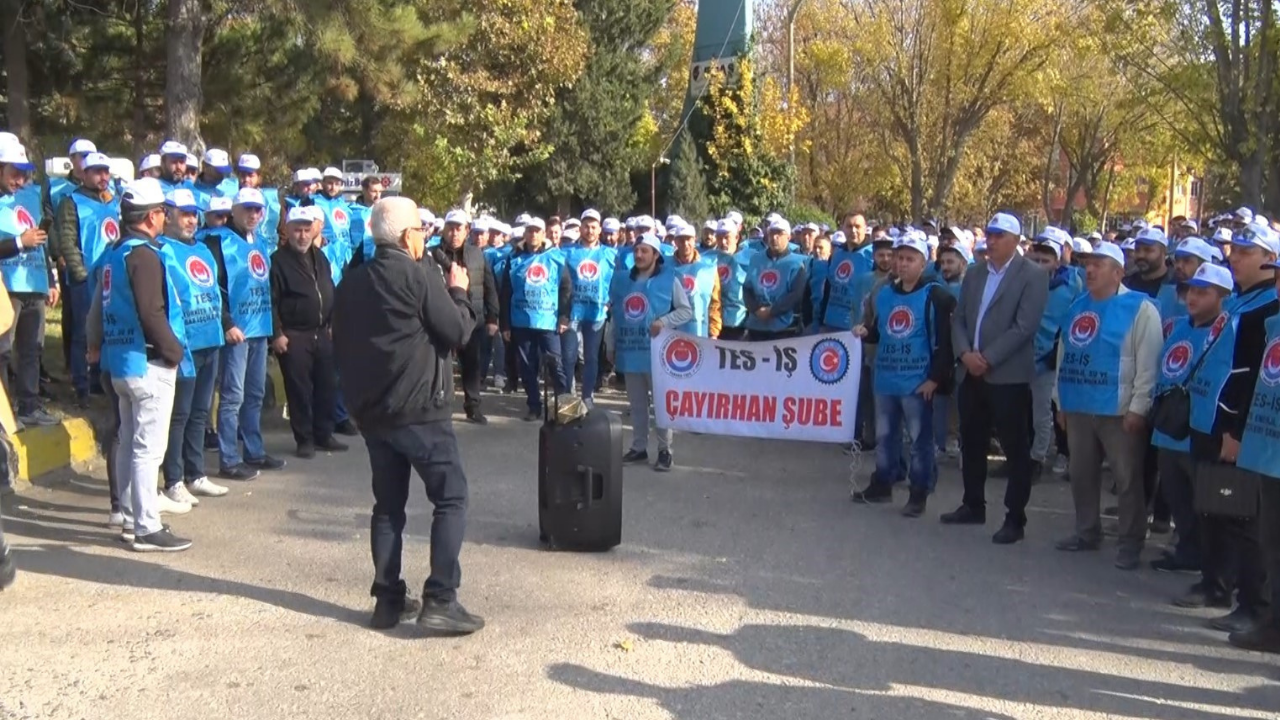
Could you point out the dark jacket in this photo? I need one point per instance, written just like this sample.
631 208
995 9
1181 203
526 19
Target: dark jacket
942 364
564 300
301 291
395 324
484 290
148 282
1236 398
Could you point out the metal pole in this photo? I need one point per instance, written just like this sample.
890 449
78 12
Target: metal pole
653 189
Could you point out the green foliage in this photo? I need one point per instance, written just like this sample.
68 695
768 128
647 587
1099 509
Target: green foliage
687 186
799 214
1084 222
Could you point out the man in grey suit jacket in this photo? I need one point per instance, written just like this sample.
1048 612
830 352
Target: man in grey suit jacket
993 331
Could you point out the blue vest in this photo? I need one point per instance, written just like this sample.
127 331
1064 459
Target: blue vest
269 230
194 274
1064 290
954 288
169 186
1260 446
817 283
337 233
843 287
637 303
497 260
733 273
770 279
906 347
1093 336
99 226
248 282
1171 307
535 289
1212 376
59 189
124 348
699 281
361 231
1183 347
591 272
205 192
27 272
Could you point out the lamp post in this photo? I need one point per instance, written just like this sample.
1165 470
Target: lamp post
653 184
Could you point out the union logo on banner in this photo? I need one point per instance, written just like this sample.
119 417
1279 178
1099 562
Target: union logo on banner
829 361
257 266
681 356
635 306
199 272
1083 329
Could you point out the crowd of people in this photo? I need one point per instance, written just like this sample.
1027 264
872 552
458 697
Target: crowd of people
1150 351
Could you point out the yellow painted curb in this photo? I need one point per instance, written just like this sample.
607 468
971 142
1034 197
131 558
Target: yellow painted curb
44 449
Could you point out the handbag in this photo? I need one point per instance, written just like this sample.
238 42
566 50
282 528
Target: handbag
1226 490
1171 409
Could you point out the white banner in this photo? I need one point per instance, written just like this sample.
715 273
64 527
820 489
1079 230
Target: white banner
802 388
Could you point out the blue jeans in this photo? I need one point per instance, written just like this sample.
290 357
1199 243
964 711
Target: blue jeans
80 300
493 350
340 414
533 348
941 421
184 458
241 387
891 412
592 335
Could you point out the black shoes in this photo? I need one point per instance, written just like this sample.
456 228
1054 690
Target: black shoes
1239 621
346 427
1008 534
306 451
1173 563
211 441
331 445
636 456
1161 526
915 504
965 515
448 618
160 541
475 417
1199 597
874 494
664 461
1075 543
239 472
390 613
266 462
1037 471
1261 639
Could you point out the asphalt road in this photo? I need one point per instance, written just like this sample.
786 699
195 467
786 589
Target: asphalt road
748 586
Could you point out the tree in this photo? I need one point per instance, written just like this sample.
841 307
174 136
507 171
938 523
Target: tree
183 87
687 186
15 66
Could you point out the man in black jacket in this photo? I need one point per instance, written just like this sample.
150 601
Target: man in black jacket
301 302
396 319
454 249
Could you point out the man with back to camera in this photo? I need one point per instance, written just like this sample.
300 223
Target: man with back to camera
394 312
993 334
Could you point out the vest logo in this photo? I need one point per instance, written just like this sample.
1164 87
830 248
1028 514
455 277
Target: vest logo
687 282
257 266
111 229
340 216
1270 372
588 271
106 284
770 280
1168 328
723 272
635 306
681 356
901 322
536 274
1216 329
25 221
1084 328
843 271
829 361
199 272
1176 359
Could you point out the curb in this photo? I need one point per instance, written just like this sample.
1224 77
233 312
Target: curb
70 443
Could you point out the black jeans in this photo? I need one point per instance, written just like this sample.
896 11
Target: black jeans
470 357
733 333
109 441
1007 409
1177 473
432 450
769 336
310 385
1232 556
26 339
1269 524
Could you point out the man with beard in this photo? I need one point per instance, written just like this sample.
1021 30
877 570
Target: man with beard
361 238
173 166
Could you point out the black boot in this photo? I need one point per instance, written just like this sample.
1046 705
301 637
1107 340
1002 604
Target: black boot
915 504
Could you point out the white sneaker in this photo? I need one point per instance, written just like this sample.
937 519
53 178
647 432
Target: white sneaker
126 533
953 449
206 487
170 506
115 520
1060 465
179 493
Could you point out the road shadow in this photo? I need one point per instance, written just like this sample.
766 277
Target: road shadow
58 560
